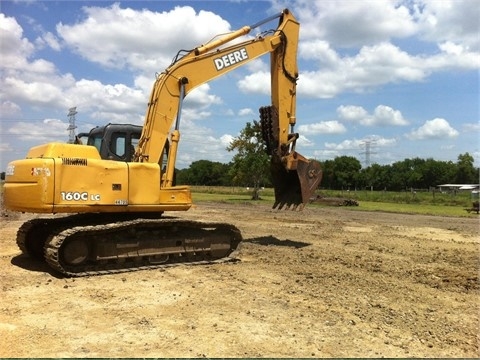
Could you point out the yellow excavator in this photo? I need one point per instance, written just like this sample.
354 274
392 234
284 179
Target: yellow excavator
111 192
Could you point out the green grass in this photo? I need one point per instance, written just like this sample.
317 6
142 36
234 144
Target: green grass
396 202
229 194
406 197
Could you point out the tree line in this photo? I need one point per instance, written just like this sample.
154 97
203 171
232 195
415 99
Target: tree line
250 167
346 172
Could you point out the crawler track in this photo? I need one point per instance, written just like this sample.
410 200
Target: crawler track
80 245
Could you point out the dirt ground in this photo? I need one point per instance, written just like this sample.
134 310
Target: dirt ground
325 282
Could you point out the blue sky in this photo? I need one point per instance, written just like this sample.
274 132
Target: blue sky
402 76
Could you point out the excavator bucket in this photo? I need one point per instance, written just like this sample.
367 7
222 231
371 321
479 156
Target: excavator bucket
294 177
294 187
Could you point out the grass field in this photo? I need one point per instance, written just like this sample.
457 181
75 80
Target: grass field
398 202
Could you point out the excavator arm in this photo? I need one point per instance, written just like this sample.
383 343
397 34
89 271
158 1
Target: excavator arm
295 178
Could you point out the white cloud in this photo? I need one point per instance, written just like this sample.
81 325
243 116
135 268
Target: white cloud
258 65
382 116
38 83
108 103
40 93
352 113
372 67
246 112
354 144
433 129
386 116
226 140
45 131
319 50
197 104
15 48
449 20
354 147
379 141
5 147
353 23
48 39
347 23
304 142
371 27
194 138
8 109
229 112
332 150
471 127
453 56
35 82
200 96
139 39
323 127
258 83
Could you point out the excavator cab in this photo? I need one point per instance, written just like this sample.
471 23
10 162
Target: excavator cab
114 141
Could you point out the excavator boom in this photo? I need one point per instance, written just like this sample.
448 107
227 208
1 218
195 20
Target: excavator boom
294 177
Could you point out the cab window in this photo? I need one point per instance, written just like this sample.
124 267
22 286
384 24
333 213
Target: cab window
95 140
117 145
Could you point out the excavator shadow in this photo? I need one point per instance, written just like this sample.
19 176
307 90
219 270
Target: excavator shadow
27 263
273 241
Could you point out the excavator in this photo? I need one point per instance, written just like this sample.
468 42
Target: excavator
106 198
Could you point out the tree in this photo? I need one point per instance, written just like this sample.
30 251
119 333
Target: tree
375 177
466 173
205 172
404 174
438 172
346 170
342 172
250 165
328 178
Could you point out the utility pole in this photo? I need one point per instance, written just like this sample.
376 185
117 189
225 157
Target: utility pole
71 127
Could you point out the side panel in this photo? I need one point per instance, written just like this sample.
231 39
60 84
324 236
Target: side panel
72 184
144 184
115 186
29 185
146 194
96 182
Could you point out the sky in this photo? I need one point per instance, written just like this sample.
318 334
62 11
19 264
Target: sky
380 80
